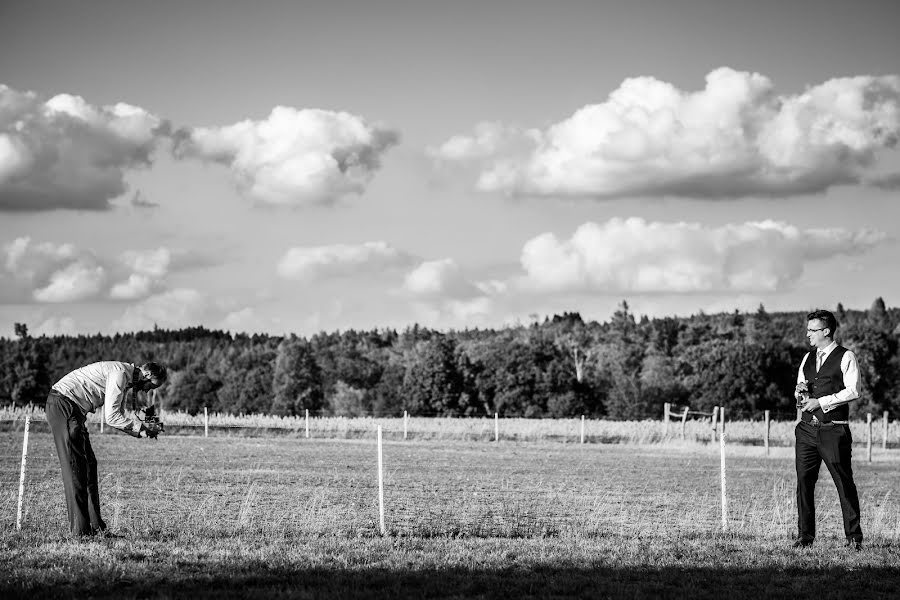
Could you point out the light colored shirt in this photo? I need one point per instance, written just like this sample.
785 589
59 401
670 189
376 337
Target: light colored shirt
850 371
102 384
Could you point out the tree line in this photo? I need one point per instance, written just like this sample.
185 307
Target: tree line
624 368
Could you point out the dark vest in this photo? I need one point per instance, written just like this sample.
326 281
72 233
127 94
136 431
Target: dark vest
829 380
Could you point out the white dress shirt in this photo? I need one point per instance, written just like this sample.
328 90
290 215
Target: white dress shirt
849 368
102 384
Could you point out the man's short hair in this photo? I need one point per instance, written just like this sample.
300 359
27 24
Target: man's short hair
827 318
156 371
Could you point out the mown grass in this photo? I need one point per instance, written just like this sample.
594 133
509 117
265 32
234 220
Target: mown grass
288 517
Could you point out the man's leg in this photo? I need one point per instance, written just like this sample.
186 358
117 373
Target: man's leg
807 462
93 487
66 424
836 445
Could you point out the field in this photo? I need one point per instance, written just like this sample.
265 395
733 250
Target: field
284 516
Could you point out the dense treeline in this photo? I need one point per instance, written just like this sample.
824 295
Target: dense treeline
625 368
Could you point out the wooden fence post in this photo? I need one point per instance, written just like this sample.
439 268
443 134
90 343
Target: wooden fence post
22 475
380 485
684 422
724 489
869 440
766 438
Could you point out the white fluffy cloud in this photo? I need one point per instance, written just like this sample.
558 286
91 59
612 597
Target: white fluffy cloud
57 273
314 263
294 157
736 137
65 153
439 279
632 255
173 309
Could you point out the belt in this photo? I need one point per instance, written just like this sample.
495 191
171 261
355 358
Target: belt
815 422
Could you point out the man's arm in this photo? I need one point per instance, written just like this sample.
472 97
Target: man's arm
114 403
850 369
801 378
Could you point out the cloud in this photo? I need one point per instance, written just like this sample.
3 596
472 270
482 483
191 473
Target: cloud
439 279
295 157
173 309
51 326
632 255
65 153
315 263
47 272
736 137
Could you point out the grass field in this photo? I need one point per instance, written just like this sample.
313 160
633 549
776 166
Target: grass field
271 517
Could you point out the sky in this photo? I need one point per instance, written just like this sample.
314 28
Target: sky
295 167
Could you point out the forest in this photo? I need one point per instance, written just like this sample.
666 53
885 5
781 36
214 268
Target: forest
625 368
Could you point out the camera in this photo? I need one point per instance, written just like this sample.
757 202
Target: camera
152 424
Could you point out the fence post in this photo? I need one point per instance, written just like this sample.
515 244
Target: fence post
722 417
666 411
380 485
582 429
307 423
684 422
102 417
884 422
724 490
766 437
496 427
869 440
205 422
715 422
405 423
22 475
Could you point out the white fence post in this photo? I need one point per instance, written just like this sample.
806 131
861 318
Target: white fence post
380 485
102 417
496 427
405 423
666 410
205 422
884 423
307 423
22 475
684 422
869 431
582 429
722 417
715 422
724 489
766 436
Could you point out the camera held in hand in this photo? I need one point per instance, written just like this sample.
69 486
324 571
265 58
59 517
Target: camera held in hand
152 425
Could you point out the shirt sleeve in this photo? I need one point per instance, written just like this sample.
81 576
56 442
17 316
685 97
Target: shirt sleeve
114 403
850 369
800 376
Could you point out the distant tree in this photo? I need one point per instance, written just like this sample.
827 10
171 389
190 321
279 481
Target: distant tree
347 401
297 380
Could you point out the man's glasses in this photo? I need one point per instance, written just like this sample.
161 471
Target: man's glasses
815 330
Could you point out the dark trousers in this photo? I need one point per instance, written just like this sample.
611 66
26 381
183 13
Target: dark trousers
78 463
831 445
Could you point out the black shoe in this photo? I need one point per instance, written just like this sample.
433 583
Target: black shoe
801 543
854 545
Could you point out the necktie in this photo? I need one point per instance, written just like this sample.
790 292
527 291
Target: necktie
820 358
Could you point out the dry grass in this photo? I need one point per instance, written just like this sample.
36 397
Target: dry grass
288 517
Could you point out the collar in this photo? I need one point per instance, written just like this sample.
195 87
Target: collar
827 349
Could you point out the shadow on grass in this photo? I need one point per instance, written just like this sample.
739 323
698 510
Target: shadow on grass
249 580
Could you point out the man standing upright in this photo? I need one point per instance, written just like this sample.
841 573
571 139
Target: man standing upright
828 379
98 385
